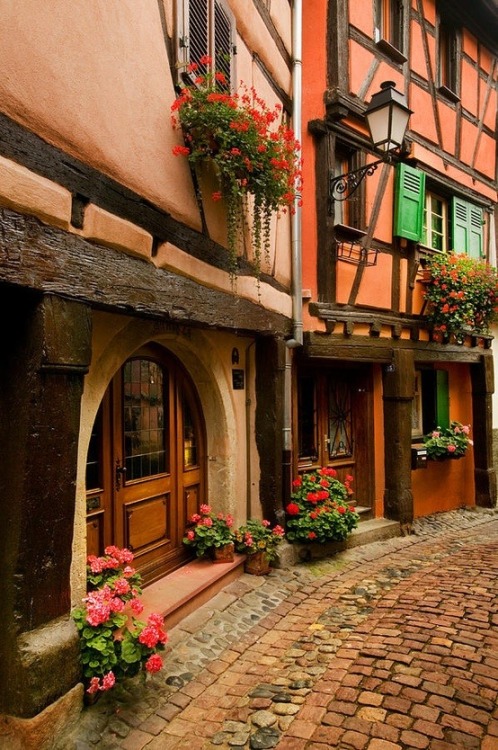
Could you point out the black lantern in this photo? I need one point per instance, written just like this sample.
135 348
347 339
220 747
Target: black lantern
387 117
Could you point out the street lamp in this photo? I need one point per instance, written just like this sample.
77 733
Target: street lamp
387 118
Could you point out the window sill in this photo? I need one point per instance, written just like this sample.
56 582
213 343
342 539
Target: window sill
392 52
345 232
448 94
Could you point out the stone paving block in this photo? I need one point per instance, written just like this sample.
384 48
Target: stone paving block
136 740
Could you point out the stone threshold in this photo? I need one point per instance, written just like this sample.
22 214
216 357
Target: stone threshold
181 592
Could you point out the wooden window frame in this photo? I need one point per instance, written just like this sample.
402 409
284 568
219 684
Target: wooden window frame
349 213
390 28
428 233
448 55
431 403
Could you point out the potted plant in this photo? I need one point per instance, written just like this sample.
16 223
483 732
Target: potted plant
252 150
211 534
114 644
461 294
260 542
319 510
448 442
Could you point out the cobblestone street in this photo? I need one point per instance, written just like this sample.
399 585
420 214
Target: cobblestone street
389 646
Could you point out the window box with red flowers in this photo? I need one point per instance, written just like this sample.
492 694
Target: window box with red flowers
319 510
251 149
448 442
461 295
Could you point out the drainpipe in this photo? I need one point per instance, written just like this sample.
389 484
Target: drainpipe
297 297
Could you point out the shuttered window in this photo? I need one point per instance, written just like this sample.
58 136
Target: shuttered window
433 402
423 217
409 202
206 27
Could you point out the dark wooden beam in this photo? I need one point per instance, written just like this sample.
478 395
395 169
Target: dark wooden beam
377 349
88 185
47 259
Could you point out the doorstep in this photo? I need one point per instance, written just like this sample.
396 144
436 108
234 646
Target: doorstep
180 593
368 531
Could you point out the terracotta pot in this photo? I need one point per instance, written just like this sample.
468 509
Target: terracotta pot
223 554
257 564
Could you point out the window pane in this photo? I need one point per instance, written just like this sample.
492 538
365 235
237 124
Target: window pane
190 447
145 439
307 424
340 427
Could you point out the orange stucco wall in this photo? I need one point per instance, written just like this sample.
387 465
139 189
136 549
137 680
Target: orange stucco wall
446 485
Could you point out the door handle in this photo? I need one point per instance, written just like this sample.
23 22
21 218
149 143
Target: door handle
120 475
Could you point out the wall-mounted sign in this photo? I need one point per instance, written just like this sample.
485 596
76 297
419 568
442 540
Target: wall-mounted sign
238 380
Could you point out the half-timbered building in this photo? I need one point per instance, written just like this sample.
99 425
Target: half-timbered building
139 379
372 379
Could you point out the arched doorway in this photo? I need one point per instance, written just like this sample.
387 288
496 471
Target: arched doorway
145 471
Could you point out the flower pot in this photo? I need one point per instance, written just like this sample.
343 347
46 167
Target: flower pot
257 564
223 554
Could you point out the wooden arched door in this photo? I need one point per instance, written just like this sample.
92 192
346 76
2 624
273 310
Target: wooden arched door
146 463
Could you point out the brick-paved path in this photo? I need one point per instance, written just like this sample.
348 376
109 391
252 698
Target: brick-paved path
385 647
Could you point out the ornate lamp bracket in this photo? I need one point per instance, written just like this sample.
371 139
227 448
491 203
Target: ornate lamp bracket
341 188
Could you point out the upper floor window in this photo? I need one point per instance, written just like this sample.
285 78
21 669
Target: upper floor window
439 223
448 57
434 233
205 28
390 28
348 212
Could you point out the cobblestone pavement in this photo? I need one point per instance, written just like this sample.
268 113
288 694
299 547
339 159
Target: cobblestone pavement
389 646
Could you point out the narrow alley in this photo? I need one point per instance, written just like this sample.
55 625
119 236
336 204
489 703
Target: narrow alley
390 646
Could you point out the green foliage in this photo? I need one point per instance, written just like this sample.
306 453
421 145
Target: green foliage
319 510
114 644
449 442
208 530
258 536
462 293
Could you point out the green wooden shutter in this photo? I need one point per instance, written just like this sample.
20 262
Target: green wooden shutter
466 226
409 200
435 399
442 399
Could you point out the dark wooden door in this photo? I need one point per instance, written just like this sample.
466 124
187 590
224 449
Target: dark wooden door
152 465
335 425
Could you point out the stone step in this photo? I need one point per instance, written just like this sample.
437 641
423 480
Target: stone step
368 531
178 594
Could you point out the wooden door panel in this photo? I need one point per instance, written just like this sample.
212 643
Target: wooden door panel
146 523
191 499
95 534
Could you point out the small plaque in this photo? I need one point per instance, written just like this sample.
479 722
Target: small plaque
93 503
238 380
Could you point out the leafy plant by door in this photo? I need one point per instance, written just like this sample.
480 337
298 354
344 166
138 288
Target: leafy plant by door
251 153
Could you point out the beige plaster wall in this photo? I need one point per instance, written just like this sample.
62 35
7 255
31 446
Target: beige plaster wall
94 79
232 465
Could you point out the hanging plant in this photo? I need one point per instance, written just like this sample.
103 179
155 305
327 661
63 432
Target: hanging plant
461 293
252 154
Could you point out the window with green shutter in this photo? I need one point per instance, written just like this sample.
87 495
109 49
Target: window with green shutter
432 402
409 200
467 226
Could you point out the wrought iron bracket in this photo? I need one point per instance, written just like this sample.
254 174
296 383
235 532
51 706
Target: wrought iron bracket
342 187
